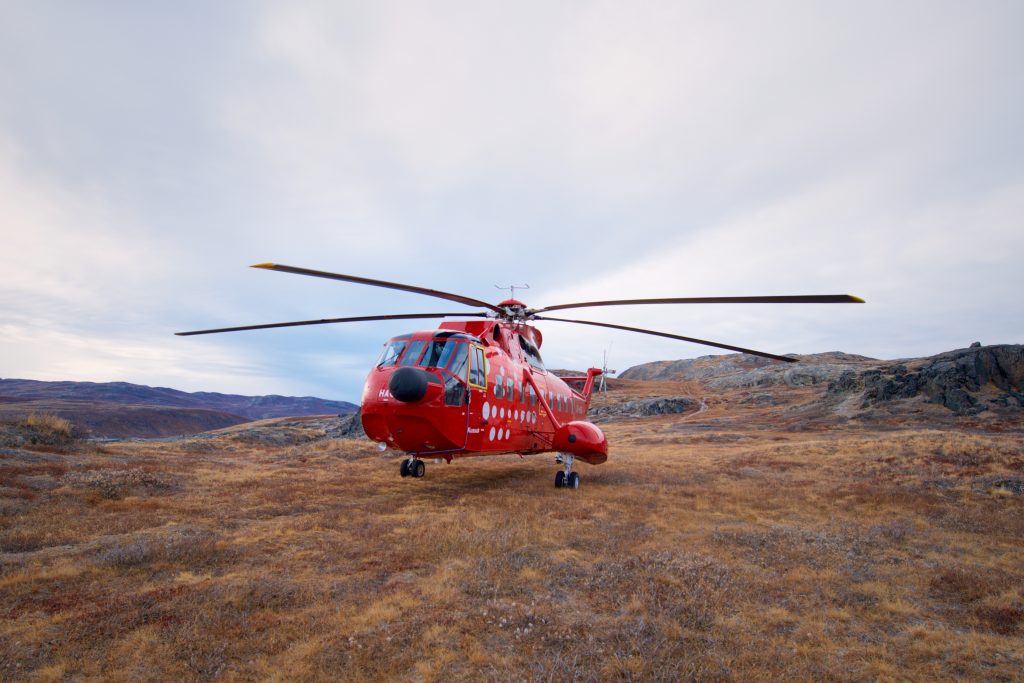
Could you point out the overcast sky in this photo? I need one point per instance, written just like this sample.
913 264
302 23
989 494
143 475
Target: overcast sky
150 152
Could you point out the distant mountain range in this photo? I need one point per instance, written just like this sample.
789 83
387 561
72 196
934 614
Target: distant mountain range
121 409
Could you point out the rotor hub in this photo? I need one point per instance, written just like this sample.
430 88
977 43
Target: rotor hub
514 310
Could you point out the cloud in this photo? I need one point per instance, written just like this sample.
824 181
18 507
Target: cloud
68 251
929 274
594 150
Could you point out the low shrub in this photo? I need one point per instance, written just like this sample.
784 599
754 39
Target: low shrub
189 547
1003 620
117 484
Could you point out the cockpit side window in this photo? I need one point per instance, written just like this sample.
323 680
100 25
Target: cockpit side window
458 366
478 368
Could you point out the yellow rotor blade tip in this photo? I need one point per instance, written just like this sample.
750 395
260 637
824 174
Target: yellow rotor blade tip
857 299
263 265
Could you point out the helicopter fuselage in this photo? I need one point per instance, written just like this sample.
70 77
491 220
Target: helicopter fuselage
477 387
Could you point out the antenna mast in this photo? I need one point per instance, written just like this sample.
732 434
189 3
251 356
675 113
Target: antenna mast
512 289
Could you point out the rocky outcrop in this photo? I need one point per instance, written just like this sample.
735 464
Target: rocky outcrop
347 427
966 381
800 374
646 407
953 379
696 368
739 370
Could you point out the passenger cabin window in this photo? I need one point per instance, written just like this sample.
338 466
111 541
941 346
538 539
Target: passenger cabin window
499 388
510 389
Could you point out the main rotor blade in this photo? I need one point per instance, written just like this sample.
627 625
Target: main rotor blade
326 321
469 301
798 299
692 340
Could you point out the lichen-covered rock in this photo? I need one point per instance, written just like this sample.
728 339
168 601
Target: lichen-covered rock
846 382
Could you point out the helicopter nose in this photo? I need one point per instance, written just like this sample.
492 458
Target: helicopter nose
408 385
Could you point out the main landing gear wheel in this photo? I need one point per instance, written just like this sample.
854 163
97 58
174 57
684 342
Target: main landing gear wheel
566 477
413 467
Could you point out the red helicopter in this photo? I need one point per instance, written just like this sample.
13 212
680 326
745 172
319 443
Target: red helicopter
479 387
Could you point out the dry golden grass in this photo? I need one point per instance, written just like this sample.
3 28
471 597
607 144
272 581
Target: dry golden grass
40 429
697 552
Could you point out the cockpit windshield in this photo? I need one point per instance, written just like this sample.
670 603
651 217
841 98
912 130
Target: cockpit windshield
412 354
439 353
392 350
442 353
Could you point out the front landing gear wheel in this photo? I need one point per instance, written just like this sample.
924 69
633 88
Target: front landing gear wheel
574 480
559 479
417 468
405 468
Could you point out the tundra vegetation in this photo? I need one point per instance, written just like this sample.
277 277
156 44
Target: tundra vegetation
747 539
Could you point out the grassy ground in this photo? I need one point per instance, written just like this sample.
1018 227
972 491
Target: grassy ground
696 552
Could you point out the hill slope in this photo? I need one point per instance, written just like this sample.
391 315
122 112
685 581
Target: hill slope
120 409
105 419
252 407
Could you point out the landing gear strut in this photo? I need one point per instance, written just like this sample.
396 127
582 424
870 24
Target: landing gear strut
566 477
412 467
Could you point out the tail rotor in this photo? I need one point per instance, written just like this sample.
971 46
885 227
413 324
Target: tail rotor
603 387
